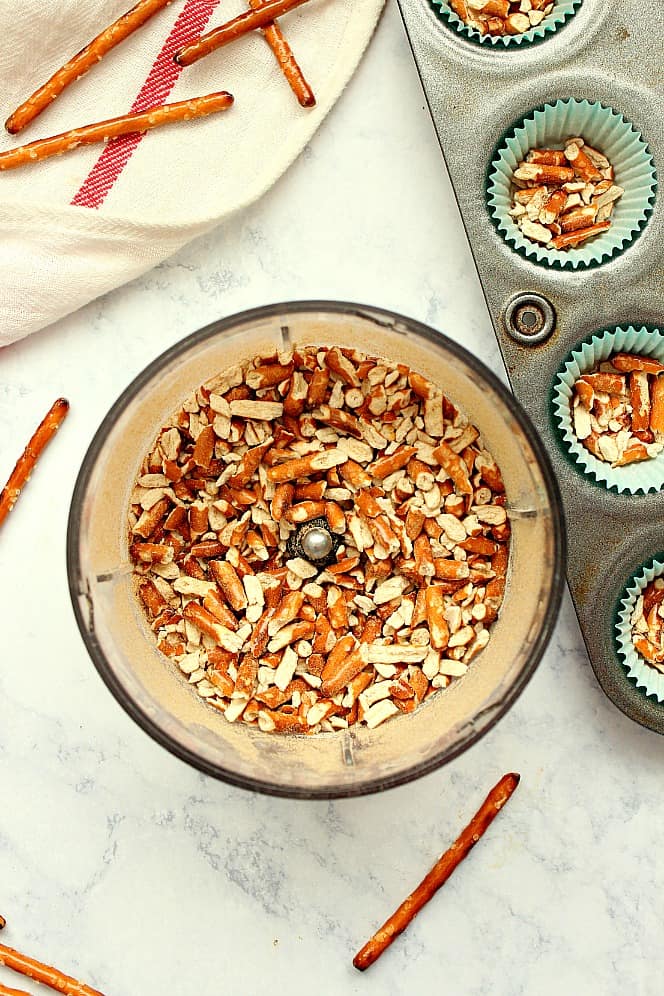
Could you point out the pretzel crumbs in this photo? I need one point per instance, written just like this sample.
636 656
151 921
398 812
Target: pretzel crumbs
378 457
618 409
563 197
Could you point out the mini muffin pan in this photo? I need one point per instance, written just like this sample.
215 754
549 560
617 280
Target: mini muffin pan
478 95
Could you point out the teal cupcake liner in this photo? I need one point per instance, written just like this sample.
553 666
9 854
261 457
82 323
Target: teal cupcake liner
635 478
604 129
647 677
562 11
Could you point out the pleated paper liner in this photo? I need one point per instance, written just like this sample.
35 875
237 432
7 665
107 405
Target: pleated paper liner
562 11
646 677
605 130
635 478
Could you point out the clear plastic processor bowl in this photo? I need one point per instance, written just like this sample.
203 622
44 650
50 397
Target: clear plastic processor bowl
349 762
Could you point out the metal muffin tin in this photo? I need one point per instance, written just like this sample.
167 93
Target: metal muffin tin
606 52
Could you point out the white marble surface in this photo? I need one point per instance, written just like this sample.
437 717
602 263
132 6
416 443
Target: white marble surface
121 864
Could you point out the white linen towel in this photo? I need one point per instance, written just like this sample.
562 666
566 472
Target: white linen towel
74 227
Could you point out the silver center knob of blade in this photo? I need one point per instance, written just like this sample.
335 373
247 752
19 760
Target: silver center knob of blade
317 543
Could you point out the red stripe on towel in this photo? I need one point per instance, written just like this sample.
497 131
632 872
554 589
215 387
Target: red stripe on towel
161 80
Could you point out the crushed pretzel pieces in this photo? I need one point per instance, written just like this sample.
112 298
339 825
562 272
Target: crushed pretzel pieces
648 624
563 197
403 482
618 409
502 17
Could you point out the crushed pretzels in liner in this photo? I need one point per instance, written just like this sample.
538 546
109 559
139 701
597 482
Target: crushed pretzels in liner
618 409
648 624
502 17
562 197
400 477
41 974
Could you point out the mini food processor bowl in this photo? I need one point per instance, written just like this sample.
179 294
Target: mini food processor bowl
358 760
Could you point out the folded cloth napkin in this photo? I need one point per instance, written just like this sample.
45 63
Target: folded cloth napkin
74 227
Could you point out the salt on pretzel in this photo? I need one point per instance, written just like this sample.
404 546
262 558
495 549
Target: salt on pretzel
439 874
239 26
45 974
83 61
26 463
103 131
274 36
6 991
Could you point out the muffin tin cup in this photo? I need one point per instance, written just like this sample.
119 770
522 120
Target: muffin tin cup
563 10
603 129
636 478
646 677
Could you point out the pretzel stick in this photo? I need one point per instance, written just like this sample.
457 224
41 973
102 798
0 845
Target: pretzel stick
102 131
3 923
26 463
51 977
82 62
275 38
6 991
439 874
239 26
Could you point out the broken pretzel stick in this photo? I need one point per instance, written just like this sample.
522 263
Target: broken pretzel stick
6 991
103 131
274 36
242 25
439 874
51 977
575 238
26 463
630 363
84 60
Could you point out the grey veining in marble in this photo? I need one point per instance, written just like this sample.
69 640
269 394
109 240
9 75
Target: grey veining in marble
122 865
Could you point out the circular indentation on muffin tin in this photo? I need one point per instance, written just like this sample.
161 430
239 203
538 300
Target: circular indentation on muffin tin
604 129
636 478
647 678
563 10
530 319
